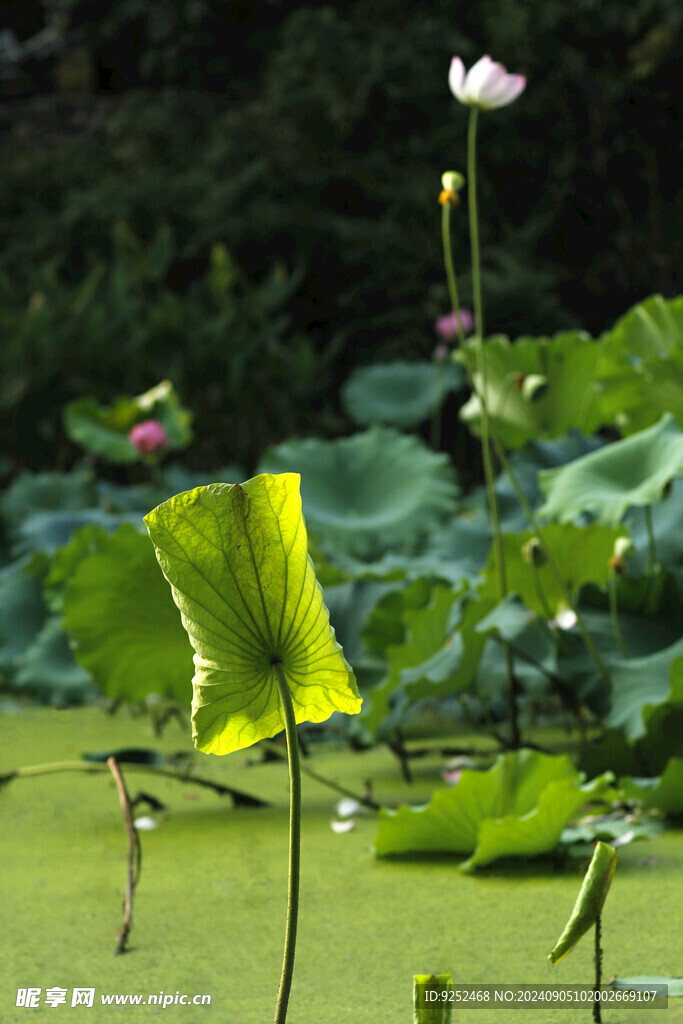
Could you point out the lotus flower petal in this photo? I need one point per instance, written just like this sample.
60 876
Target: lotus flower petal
486 85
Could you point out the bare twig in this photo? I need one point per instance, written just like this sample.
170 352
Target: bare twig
134 855
239 798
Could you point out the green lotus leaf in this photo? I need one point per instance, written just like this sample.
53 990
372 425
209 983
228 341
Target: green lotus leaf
566 363
649 754
639 368
169 480
237 561
664 792
368 493
103 430
123 626
618 830
641 686
48 670
399 394
87 540
607 482
22 612
349 605
634 394
590 900
50 531
539 831
34 492
581 554
509 618
519 807
423 649
651 329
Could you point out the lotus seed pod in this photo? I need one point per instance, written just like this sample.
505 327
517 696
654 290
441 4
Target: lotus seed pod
452 181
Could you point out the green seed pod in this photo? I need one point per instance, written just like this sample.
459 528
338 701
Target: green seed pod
624 547
451 181
590 900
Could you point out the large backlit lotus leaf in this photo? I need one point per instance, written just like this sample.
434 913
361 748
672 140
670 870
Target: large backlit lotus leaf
399 394
605 483
519 807
581 554
236 557
371 492
123 626
641 685
567 364
103 430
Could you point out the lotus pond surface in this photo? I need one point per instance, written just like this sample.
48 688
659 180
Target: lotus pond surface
209 909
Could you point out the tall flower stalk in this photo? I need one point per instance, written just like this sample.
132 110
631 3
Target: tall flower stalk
485 87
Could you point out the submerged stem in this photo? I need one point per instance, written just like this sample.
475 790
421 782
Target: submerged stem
294 844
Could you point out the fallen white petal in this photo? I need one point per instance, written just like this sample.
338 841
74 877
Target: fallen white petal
145 824
624 840
348 807
343 826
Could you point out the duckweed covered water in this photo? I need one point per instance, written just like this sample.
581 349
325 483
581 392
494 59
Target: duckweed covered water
209 911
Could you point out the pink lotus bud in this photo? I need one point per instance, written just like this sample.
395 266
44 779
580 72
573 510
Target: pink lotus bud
487 85
447 326
148 437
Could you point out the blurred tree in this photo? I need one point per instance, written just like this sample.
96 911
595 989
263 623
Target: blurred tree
314 137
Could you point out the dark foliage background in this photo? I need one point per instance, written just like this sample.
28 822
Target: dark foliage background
241 195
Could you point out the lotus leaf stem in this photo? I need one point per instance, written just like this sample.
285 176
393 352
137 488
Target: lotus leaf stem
294 844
